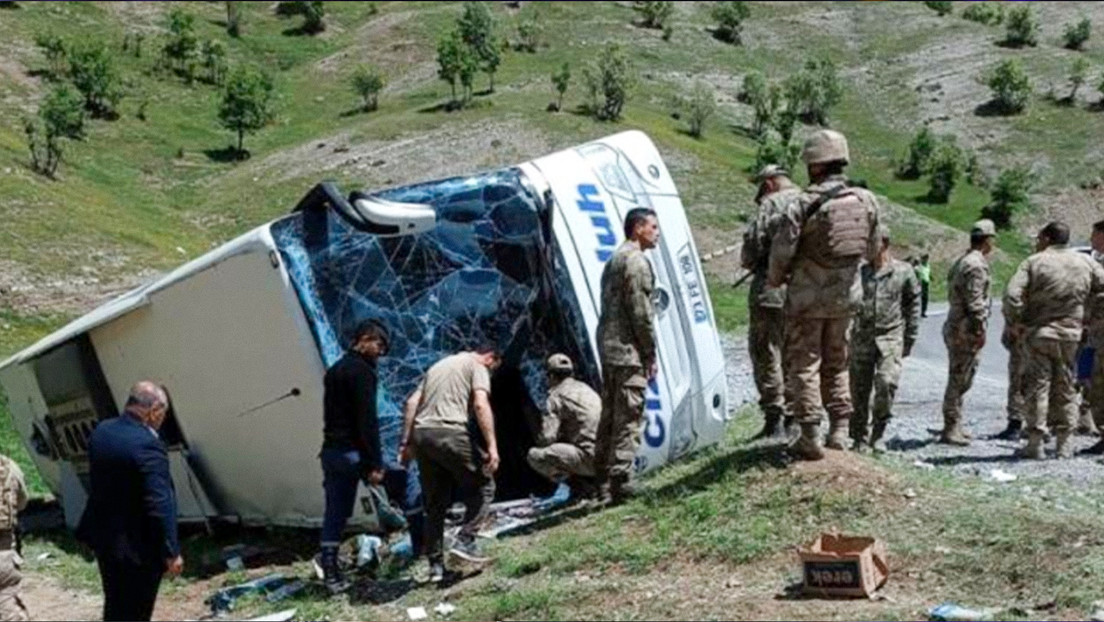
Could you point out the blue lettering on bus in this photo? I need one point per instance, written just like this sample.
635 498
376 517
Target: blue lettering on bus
590 202
655 431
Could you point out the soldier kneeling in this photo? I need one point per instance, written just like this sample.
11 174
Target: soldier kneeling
566 445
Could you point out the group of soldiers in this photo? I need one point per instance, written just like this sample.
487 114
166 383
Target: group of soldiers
833 315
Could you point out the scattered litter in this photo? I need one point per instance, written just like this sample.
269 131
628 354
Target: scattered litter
368 548
942 550
910 493
444 609
274 586
927 466
1097 614
279 616
416 613
733 582
836 565
43 556
950 612
1003 477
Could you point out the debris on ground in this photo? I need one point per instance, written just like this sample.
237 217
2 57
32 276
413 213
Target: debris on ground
952 612
1097 614
279 616
507 516
1002 477
416 613
837 565
43 556
274 587
444 609
920 464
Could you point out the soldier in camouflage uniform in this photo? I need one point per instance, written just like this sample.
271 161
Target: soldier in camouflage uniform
570 426
765 329
1015 403
13 498
1095 394
821 242
626 348
964 329
884 334
1046 304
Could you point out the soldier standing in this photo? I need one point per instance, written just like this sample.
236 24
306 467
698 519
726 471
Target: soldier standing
570 426
822 240
1015 403
626 347
13 498
886 330
765 329
1096 379
964 330
1046 303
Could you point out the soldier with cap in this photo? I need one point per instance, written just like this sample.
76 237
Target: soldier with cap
566 444
13 498
886 329
1046 304
964 329
1095 391
821 242
765 329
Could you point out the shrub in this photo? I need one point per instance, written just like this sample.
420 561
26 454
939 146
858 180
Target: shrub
1079 71
455 63
814 90
609 80
773 149
764 99
945 167
560 81
54 49
1022 28
920 152
529 32
730 16
943 7
477 30
1010 194
246 104
214 61
989 13
95 75
313 12
368 82
1077 34
655 14
183 45
1010 85
233 19
61 115
697 107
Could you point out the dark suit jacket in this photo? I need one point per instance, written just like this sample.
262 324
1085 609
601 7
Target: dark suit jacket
131 511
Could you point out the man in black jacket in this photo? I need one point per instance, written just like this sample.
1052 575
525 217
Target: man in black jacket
130 518
351 445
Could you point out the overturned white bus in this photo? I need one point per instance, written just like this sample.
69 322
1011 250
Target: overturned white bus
242 335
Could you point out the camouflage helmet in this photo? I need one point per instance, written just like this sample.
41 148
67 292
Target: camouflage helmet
984 227
560 363
825 146
771 170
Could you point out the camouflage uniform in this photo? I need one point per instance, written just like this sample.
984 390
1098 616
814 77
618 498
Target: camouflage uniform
1047 300
569 430
1015 404
626 347
13 498
964 330
822 297
765 329
1096 382
885 331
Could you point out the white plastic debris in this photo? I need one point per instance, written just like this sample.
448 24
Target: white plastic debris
43 556
927 466
1003 477
416 613
444 609
279 616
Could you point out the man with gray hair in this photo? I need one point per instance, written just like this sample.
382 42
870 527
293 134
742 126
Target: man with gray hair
130 518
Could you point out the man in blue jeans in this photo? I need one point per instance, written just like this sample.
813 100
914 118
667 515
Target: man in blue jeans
351 445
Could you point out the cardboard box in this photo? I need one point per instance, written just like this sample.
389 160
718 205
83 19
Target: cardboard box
836 565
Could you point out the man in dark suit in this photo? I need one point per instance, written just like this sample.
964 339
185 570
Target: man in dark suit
130 519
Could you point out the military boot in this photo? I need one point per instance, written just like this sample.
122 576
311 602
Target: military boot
791 427
877 443
1085 425
1034 448
1063 446
807 446
953 435
1012 432
1095 450
837 433
331 570
772 428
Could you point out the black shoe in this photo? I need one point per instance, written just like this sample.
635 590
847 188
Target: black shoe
620 494
1095 450
772 428
436 572
1012 432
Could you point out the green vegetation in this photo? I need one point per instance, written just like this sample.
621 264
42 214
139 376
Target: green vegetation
246 104
368 82
1010 194
609 81
1079 71
945 168
697 107
94 73
942 7
654 13
561 79
730 16
814 91
1077 34
1010 85
1022 29
989 13
529 32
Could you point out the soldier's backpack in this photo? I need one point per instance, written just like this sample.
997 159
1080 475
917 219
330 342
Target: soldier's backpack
836 229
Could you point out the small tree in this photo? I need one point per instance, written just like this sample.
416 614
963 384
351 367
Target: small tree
1010 194
560 81
1078 73
945 167
609 80
989 13
368 82
654 14
943 7
246 104
920 152
730 16
54 49
764 99
1077 34
1022 28
1010 85
529 32
697 107
214 61
814 90
233 19
183 45
95 75
313 12
477 30
774 149
450 58
61 115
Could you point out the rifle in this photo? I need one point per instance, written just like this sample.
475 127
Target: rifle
741 280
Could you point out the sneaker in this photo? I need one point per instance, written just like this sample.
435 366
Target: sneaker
468 550
337 585
436 572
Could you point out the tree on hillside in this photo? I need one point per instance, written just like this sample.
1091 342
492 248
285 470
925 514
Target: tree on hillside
772 148
214 61
943 7
1078 73
94 73
54 49
609 80
1010 85
945 168
246 104
1010 194
313 12
477 30
529 32
181 49
814 91
920 152
368 82
1022 27
1077 34
654 14
560 81
233 19
452 58
989 13
730 16
764 99
60 115
697 107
